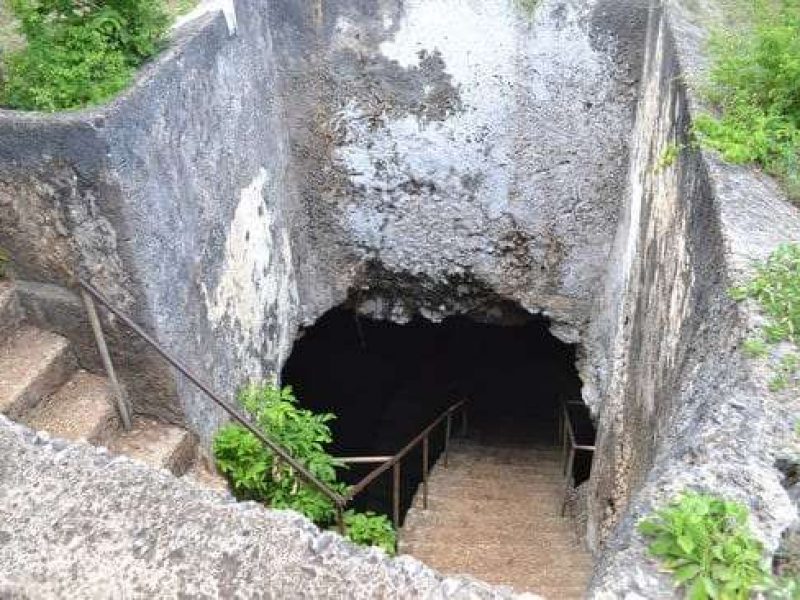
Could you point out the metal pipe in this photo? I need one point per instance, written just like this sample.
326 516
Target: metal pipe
340 520
568 483
373 475
102 347
362 460
448 426
396 495
232 410
425 466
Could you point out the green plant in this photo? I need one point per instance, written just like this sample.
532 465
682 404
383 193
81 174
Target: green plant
5 260
79 52
776 287
755 348
370 529
755 83
785 373
668 156
256 473
705 542
528 6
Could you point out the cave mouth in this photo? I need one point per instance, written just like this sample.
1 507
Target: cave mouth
385 382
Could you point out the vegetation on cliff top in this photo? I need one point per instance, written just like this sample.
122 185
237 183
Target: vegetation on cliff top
79 53
776 288
706 543
755 83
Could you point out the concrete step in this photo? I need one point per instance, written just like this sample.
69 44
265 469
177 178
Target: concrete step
523 476
476 531
452 501
10 310
471 545
82 409
490 490
543 464
505 562
545 521
487 471
156 443
33 364
203 475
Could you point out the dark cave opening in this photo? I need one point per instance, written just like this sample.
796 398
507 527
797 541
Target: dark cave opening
385 382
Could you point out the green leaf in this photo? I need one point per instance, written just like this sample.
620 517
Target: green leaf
686 544
686 573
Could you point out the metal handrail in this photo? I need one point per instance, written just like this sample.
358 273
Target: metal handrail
90 294
570 448
393 462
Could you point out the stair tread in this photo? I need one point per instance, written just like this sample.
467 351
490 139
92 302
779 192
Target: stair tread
203 476
156 443
33 363
417 517
81 409
494 513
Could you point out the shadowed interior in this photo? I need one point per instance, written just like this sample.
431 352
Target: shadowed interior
386 382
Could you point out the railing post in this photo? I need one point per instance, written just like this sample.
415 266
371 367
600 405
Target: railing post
568 485
340 520
97 328
464 421
396 495
447 427
425 473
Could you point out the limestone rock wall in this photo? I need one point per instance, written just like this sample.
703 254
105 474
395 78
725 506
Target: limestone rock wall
175 201
682 406
463 148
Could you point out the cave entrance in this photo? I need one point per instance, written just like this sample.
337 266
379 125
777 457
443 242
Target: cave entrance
385 382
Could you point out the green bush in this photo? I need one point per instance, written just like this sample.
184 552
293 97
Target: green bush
705 542
370 529
256 473
79 52
776 287
755 82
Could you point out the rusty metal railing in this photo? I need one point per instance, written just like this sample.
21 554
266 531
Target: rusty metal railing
91 295
395 462
569 449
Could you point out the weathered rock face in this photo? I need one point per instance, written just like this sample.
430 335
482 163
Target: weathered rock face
431 156
681 407
480 144
173 201
136 532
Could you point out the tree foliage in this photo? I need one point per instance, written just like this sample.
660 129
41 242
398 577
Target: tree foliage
79 52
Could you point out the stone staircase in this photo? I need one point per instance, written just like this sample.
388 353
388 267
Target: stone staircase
42 387
494 513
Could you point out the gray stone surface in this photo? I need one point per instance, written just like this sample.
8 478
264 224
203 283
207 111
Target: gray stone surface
463 149
682 407
78 523
432 156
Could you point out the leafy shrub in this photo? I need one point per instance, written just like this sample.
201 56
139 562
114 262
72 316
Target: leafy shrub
706 543
370 529
776 287
79 52
256 473
755 81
